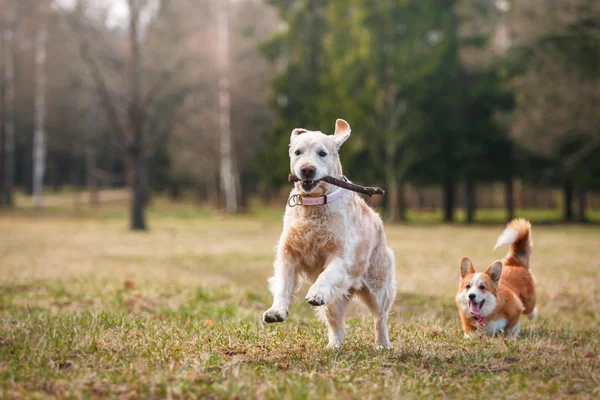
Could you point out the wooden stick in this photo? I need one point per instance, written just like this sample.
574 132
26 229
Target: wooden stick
369 191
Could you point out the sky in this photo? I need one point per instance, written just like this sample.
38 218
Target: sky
118 9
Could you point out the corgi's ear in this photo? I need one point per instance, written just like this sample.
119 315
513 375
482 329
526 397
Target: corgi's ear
342 132
466 267
494 271
296 132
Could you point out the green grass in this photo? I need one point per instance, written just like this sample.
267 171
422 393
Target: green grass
89 309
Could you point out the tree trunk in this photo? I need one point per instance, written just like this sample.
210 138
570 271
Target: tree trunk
175 191
228 172
395 202
215 191
92 176
39 134
392 200
2 109
91 162
9 104
139 195
509 199
470 200
448 196
244 186
582 205
401 202
568 201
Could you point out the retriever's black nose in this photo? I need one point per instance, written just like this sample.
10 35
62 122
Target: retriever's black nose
472 296
308 172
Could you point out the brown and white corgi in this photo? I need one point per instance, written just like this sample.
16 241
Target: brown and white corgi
495 299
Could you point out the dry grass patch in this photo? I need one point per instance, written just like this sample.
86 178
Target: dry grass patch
88 309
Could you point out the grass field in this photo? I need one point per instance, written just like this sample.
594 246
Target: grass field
89 309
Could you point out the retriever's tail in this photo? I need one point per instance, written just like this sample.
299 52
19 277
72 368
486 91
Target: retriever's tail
518 235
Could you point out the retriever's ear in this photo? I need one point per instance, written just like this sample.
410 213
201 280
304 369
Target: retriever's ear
296 132
342 132
494 271
466 267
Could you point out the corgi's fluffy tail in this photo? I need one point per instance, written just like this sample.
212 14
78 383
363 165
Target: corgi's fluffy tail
518 235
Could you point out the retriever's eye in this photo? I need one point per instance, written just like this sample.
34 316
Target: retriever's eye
482 287
297 152
322 153
468 286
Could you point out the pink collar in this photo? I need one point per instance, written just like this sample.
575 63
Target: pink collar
298 200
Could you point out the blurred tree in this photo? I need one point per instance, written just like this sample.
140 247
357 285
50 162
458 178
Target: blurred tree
180 96
39 133
252 22
488 152
9 26
460 138
362 60
559 121
421 82
146 115
377 55
298 51
195 144
230 180
394 68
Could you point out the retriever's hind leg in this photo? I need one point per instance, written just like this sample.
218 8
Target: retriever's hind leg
378 294
379 303
334 314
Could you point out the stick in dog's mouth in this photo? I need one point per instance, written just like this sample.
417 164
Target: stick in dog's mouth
370 191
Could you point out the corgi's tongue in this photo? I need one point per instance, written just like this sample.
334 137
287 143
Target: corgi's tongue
474 308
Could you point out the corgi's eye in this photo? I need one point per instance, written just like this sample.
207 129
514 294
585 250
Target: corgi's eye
482 287
297 152
322 153
468 286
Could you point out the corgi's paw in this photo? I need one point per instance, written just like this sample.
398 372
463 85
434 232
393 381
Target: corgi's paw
533 314
469 335
513 333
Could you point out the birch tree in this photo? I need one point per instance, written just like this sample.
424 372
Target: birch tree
39 134
229 178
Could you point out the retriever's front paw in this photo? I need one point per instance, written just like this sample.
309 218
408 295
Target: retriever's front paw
317 296
273 315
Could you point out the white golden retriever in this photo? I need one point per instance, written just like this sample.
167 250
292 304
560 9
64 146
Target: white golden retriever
333 238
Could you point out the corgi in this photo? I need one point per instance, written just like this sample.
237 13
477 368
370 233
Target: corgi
495 299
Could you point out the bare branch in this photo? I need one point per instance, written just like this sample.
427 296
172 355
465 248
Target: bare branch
106 101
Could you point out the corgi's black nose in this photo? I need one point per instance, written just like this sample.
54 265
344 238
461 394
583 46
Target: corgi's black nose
308 171
472 296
